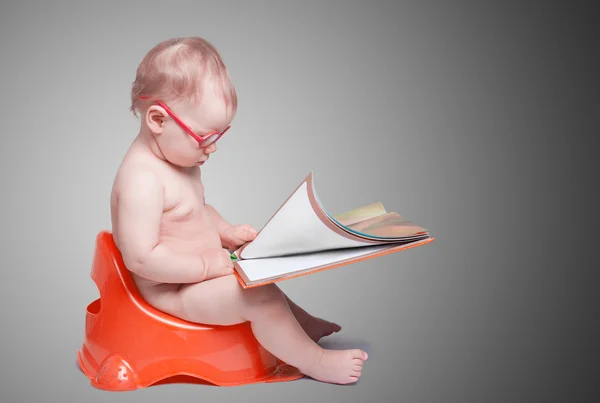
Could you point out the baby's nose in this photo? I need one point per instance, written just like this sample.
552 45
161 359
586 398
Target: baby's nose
211 148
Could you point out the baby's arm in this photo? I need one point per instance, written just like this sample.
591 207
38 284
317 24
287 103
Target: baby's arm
140 209
221 224
232 236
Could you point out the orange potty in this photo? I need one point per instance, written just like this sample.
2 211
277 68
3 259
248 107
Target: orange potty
128 344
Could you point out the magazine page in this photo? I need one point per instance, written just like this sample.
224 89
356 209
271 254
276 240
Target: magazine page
256 271
371 222
360 214
299 226
260 269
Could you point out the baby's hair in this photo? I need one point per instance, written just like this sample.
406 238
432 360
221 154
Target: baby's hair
177 70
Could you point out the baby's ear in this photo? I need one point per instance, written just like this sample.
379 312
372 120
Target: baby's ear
155 119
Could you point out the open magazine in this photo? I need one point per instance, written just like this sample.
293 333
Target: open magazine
303 238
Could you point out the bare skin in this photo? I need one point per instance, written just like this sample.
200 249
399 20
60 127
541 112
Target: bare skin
174 245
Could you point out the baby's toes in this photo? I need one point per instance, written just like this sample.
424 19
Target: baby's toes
357 363
359 354
353 379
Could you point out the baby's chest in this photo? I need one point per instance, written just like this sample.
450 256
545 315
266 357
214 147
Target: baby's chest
184 198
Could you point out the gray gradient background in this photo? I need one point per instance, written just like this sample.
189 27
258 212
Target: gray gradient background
472 120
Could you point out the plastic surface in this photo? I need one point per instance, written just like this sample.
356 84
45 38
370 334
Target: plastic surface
128 344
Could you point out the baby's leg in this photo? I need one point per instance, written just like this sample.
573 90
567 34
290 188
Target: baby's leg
316 328
222 301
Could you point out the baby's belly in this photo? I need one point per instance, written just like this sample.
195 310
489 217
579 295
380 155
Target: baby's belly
190 237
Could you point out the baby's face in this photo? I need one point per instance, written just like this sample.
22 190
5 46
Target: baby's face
206 119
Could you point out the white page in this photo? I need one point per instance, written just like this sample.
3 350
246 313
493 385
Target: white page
258 269
296 228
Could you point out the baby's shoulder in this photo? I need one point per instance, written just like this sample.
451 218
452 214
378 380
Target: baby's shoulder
136 173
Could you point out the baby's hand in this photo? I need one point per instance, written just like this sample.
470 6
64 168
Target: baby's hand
217 263
237 235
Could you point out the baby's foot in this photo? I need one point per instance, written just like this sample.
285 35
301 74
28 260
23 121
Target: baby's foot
317 328
338 366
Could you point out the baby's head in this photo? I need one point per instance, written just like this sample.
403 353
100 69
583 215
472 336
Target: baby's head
185 97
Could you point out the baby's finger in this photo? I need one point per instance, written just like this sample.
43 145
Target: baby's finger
228 261
247 233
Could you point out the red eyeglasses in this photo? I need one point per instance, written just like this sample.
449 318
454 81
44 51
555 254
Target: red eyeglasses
203 141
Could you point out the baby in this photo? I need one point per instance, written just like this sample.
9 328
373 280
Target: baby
174 244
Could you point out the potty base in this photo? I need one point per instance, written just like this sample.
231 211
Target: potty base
128 344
